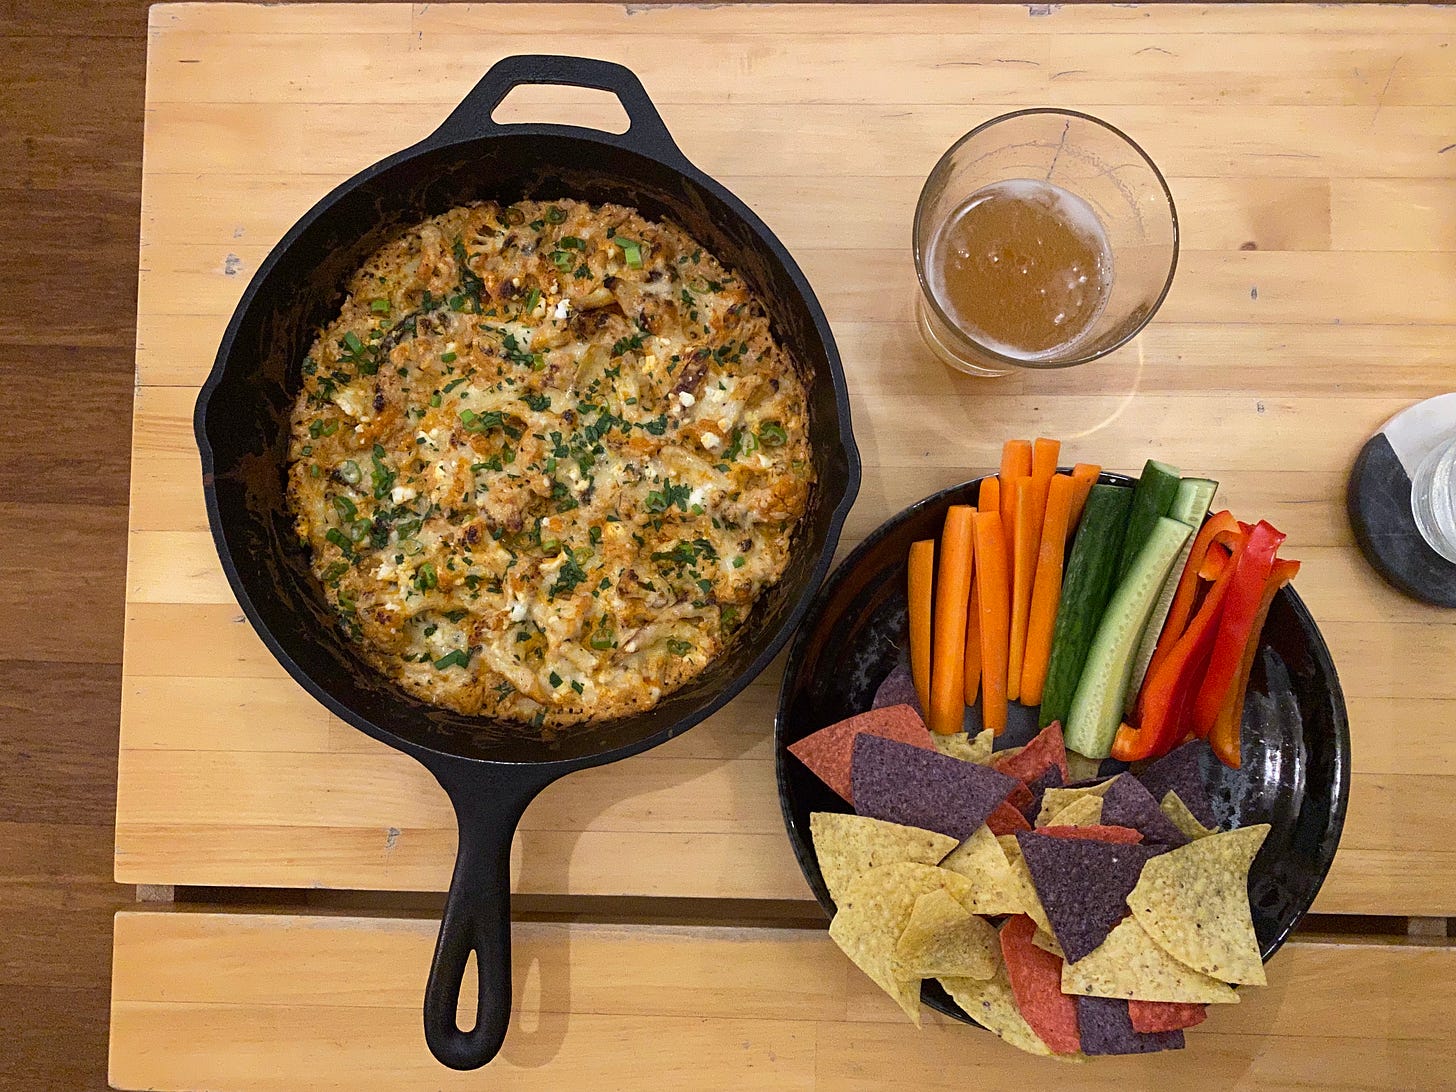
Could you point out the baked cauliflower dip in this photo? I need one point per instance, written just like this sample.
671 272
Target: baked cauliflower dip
546 459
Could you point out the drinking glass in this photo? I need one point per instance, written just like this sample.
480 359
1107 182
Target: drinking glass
1092 160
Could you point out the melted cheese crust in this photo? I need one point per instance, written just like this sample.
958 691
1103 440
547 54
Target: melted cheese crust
546 459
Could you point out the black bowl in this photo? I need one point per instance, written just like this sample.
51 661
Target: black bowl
1296 737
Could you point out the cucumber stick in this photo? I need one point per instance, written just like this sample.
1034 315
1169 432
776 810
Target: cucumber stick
1190 506
1151 497
1085 589
1102 689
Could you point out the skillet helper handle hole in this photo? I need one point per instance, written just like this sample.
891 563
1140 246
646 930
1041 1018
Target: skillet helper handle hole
645 131
477 920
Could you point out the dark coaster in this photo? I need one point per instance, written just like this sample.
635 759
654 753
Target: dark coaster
1379 502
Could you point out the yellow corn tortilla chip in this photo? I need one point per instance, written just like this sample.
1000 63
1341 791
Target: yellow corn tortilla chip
876 908
942 937
967 748
1129 965
1081 811
1179 815
848 845
991 1004
1031 904
1194 903
1047 943
1054 800
1080 767
994 888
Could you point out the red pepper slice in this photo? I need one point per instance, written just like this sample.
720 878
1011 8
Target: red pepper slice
1217 525
1162 705
1240 608
1224 737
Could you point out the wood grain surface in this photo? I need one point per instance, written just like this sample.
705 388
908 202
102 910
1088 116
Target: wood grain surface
251 1002
1315 296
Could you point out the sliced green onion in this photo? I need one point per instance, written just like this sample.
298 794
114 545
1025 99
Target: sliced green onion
379 307
631 251
426 577
738 562
554 215
459 658
571 242
351 473
514 216
533 297
345 507
448 358
336 536
603 639
359 530
562 260
435 399
352 342
772 434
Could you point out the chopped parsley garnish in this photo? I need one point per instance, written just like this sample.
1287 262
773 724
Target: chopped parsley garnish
471 286
450 386
537 402
554 679
669 495
569 576
533 297
481 422
657 425
382 477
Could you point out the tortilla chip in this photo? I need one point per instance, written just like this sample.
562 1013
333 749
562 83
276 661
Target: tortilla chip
995 889
1036 982
1129 965
1083 810
1045 751
1128 804
1095 833
1179 815
1181 771
992 1005
829 752
924 788
848 845
965 747
1106 1028
1006 755
1164 1015
1194 902
944 939
898 689
1050 778
1047 943
1082 768
1021 875
1083 886
1006 819
874 913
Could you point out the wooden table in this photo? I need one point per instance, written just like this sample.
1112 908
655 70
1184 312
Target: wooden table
672 940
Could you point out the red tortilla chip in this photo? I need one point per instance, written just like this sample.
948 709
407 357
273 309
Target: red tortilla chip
1165 1015
1098 833
829 752
1006 820
1020 797
1045 750
1036 980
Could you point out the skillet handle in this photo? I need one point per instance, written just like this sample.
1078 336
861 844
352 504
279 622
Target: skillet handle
646 132
488 804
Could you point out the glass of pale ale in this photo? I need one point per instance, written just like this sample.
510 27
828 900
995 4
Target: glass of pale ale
1043 239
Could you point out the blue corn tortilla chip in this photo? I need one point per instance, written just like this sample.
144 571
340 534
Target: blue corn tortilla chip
1181 771
918 788
1082 885
899 689
1106 1028
1050 778
1129 804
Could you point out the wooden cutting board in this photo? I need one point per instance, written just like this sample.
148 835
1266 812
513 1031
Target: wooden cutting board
1310 150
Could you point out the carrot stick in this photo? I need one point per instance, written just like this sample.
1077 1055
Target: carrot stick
1044 456
1010 490
922 578
952 595
1085 475
1046 594
1015 459
989 498
992 589
1024 540
973 647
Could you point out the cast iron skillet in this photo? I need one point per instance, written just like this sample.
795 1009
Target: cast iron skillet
491 770
1296 739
